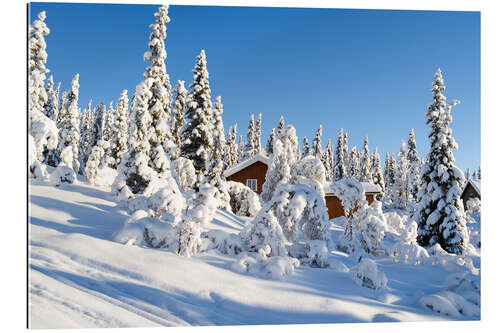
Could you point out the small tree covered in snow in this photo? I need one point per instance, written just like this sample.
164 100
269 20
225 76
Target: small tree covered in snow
316 144
414 166
270 142
389 170
120 137
339 169
42 129
196 135
309 171
257 133
94 161
365 163
185 172
281 125
51 105
400 192
366 274
243 201
219 141
305 148
353 167
178 121
407 250
377 175
327 159
241 148
69 133
440 214
231 148
284 157
250 145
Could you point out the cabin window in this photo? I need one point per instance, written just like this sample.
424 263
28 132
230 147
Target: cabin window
252 184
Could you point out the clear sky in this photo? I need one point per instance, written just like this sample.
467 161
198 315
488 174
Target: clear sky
367 71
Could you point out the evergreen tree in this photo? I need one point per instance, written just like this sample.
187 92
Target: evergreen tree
50 107
69 132
479 173
178 121
281 125
283 158
327 159
219 140
241 149
160 99
197 133
109 123
85 128
257 134
377 175
316 144
365 163
353 168
306 151
414 166
120 137
231 149
250 145
339 170
270 143
440 213
41 128
401 193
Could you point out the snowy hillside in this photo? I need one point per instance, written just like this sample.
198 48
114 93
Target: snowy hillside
81 277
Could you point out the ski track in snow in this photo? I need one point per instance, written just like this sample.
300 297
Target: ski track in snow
80 277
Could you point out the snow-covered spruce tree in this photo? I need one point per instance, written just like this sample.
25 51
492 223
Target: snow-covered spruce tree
94 160
197 139
270 142
108 122
134 173
85 136
345 149
250 144
339 170
414 165
401 193
69 132
365 163
257 133
327 159
306 151
119 140
317 151
42 129
178 121
241 148
51 105
377 175
353 167
389 170
159 103
281 125
440 213
283 158
231 148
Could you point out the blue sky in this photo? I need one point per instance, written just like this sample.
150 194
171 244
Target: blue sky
367 71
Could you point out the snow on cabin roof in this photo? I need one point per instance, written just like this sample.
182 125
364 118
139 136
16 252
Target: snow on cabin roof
246 163
368 187
476 184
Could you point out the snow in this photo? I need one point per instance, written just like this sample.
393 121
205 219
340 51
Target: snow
80 276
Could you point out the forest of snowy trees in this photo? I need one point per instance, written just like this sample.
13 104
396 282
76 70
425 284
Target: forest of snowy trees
163 151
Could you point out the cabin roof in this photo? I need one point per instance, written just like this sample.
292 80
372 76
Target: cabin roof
476 185
260 157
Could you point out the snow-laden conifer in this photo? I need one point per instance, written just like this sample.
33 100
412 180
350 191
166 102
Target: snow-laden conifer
119 141
284 156
241 148
250 144
377 175
327 159
51 105
231 148
257 133
178 121
197 139
69 131
306 150
159 104
281 125
270 142
339 169
365 163
42 129
401 193
317 151
353 167
415 166
440 213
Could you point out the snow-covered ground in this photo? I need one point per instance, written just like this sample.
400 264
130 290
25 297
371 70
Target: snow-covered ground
80 277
